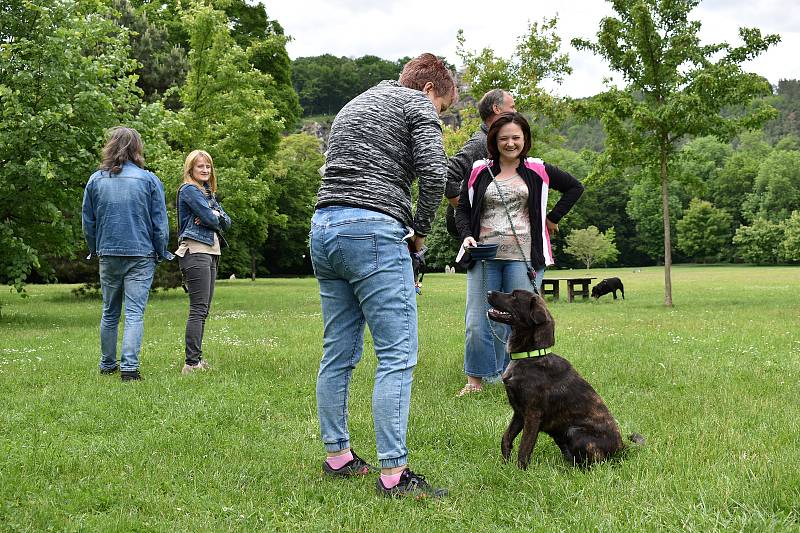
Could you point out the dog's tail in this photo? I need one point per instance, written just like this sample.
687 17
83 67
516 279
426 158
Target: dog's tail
636 439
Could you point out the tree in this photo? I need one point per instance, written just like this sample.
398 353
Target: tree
65 77
295 188
776 191
790 247
759 243
646 211
704 231
590 246
326 83
676 88
697 164
728 187
226 111
536 58
162 64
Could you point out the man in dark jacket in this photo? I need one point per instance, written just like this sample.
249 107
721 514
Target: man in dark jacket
361 234
492 104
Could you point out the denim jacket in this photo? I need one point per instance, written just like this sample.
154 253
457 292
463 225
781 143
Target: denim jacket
125 214
191 203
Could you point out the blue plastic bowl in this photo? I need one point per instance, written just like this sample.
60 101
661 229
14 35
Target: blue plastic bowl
483 251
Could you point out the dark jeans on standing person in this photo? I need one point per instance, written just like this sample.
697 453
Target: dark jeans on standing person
199 274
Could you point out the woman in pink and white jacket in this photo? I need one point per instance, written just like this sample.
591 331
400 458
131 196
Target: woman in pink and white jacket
504 202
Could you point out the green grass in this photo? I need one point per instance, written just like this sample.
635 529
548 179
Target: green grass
712 383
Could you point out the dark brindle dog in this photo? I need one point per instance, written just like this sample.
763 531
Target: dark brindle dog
546 392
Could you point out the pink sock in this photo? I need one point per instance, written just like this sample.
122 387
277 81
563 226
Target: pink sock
338 461
390 480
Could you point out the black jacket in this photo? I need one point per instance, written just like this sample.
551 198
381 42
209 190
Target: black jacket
468 212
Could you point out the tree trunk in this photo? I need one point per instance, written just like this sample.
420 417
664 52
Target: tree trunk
252 266
667 239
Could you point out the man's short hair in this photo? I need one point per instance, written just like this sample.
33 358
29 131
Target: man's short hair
429 68
489 100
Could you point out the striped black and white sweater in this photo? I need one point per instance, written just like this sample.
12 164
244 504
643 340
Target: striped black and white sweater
380 142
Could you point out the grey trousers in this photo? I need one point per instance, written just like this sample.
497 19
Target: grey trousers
199 275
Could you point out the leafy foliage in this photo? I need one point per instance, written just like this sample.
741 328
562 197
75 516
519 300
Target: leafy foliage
326 83
590 246
760 242
295 187
790 247
56 100
537 57
704 231
776 190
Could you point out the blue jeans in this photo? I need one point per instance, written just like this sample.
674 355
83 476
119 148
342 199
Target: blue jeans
363 267
128 278
484 355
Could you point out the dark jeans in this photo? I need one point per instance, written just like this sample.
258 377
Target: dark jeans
199 274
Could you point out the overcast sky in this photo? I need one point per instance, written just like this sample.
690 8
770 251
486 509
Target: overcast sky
392 29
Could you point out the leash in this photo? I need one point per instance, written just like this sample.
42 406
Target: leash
528 266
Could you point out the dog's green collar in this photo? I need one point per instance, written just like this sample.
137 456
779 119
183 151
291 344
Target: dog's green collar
528 355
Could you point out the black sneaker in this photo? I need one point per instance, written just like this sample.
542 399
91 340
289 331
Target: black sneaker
355 467
109 370
130 375
412 485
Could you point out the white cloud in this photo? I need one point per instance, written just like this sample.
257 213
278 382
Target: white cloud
396 28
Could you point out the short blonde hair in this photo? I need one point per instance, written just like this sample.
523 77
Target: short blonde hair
188 165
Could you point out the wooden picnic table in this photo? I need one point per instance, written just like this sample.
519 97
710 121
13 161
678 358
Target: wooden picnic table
575 286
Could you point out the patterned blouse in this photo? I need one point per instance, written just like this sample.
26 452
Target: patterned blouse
495 228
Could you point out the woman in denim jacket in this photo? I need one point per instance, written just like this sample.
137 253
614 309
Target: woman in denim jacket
201 221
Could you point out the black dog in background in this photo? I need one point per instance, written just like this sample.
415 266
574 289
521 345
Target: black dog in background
608 285
545 391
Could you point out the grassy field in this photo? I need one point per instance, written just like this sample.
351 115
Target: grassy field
712 383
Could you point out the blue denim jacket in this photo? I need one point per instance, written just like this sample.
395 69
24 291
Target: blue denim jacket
191 203
125 214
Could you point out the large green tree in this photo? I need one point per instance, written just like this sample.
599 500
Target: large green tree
537 57
227 112
65 76
776 190
704 231
298 159
676 88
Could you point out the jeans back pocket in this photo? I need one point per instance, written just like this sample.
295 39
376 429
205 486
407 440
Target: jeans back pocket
358 253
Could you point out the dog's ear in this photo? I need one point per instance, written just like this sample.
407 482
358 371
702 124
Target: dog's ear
538 311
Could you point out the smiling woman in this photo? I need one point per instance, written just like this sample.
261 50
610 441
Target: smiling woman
202 222
505 210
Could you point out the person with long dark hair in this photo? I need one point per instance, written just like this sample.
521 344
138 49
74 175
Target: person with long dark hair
125 224
201 221
504 202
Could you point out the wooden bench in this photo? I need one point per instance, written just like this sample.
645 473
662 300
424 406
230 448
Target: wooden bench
579 286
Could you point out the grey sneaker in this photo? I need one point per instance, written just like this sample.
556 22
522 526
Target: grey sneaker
204 364
188 369
412 485
356 467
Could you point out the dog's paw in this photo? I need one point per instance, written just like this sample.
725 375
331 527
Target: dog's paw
636 438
